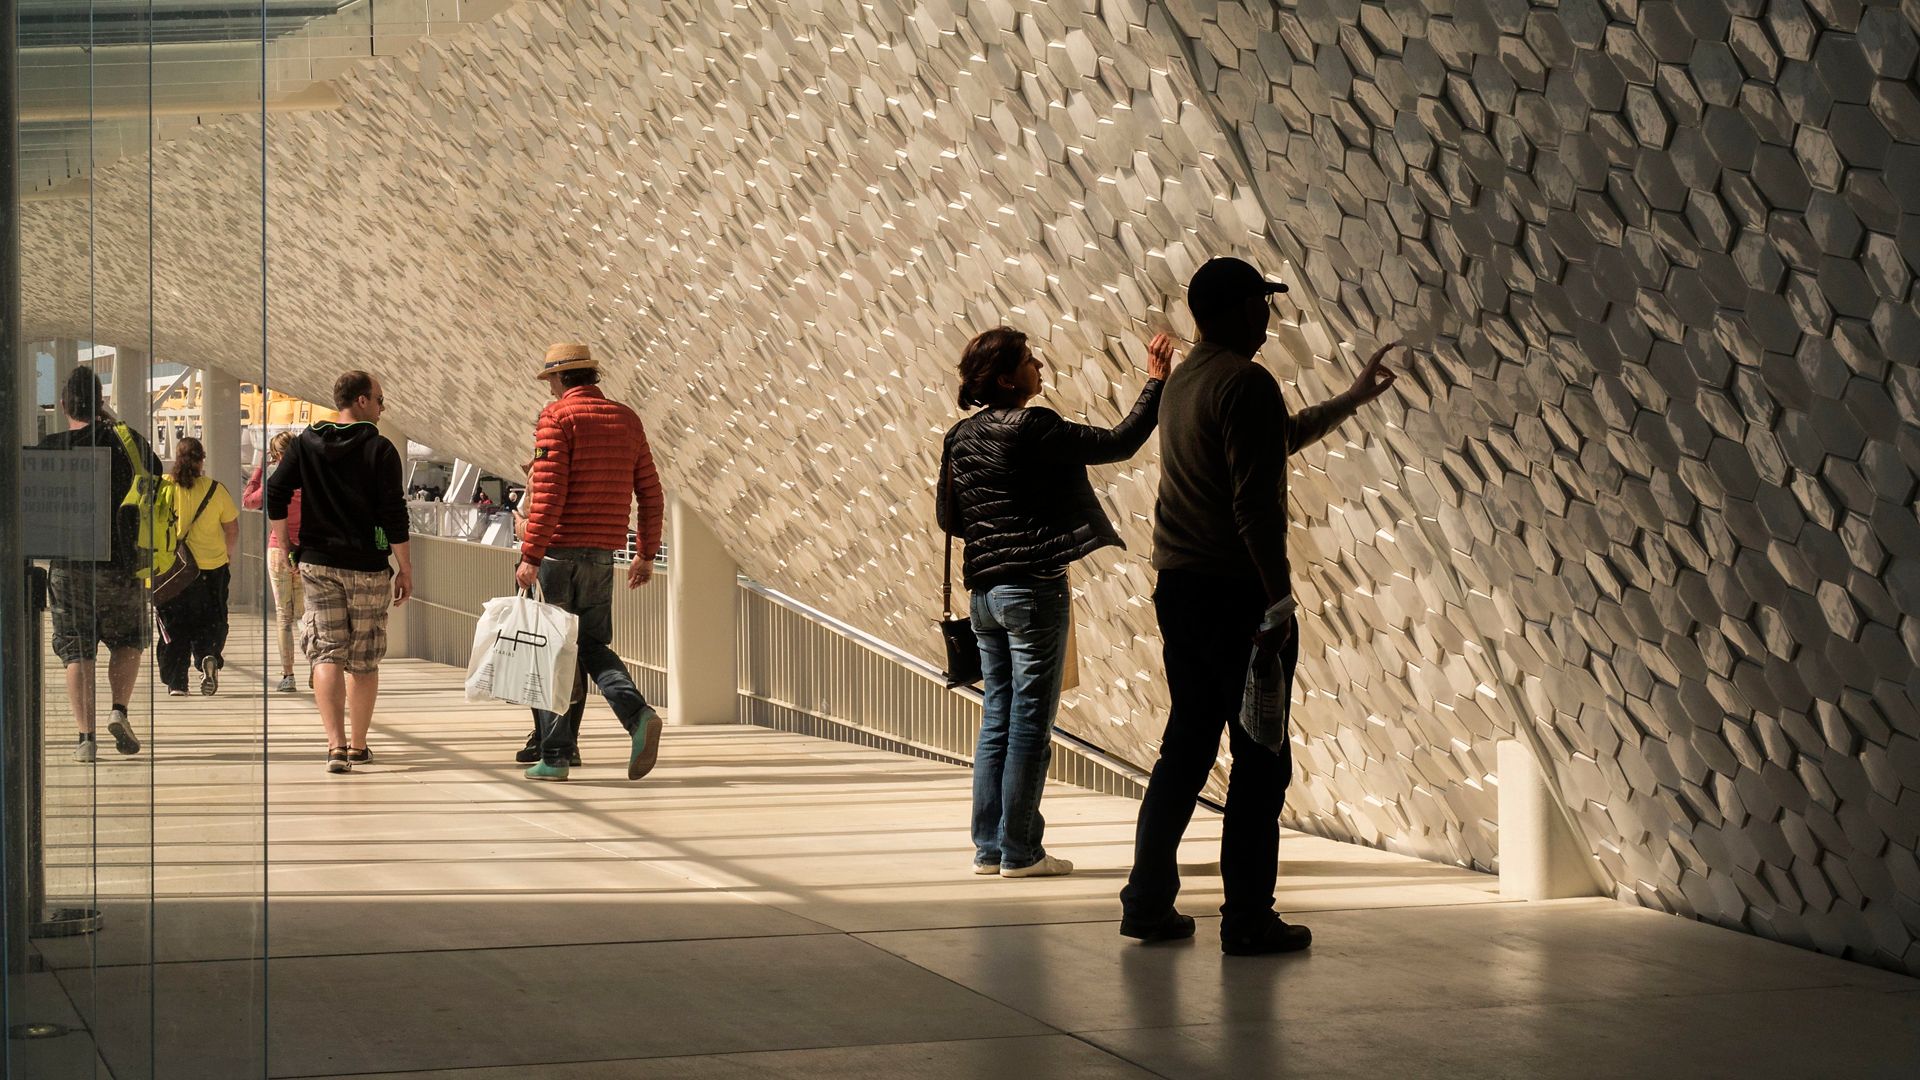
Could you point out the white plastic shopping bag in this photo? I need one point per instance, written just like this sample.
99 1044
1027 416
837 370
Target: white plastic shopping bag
524 652
1269 693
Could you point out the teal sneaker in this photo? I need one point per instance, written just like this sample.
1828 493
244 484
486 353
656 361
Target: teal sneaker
540 770
646 744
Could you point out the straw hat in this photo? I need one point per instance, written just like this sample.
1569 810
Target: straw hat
566 356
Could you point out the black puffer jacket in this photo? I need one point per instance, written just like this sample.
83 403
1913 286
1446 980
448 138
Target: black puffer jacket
1013 485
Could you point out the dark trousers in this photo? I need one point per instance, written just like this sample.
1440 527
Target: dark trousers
581 581
193 625
1207 626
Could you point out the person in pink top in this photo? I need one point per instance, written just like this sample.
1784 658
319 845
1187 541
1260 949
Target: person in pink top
288 602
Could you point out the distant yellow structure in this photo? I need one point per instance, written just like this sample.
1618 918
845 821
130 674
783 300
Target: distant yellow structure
282 410
261 416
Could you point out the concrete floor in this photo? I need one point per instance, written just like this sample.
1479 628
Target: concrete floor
768 905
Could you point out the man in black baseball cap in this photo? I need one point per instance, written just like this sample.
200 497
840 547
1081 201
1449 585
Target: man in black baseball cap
1226 280
1220 547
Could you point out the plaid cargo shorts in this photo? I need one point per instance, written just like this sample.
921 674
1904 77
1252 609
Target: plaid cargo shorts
346 619
94 604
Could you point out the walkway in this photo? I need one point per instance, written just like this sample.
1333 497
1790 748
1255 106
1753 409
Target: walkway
769 905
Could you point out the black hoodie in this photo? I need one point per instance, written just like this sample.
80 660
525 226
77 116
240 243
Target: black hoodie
352 506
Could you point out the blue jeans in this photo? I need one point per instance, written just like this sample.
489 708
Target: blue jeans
581 581
1022 629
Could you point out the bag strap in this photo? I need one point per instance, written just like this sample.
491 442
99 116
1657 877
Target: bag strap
946 583
946 579
212 486
125 434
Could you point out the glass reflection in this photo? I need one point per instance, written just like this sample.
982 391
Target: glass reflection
139 170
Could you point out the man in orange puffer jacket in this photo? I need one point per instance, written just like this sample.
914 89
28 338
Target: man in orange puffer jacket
590 463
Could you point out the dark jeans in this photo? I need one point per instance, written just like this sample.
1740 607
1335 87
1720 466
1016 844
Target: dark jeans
1022 627
193 625
581 581
1207 626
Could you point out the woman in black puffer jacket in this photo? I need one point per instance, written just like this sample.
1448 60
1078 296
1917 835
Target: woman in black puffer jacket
1013 485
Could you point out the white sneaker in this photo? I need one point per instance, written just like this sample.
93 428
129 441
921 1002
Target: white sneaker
986 868
86 751
1048 866
121 729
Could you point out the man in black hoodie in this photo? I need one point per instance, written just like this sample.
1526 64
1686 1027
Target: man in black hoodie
353 516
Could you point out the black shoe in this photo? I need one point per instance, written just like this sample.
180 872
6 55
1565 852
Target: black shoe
645 734
359 755
573 758
529 753
1172 926
1278 936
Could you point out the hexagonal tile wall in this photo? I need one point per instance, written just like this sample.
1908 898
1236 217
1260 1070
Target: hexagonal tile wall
1645 500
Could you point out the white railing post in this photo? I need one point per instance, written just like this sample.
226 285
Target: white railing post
702 621
1540 857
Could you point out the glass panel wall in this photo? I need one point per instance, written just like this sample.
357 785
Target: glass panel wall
136 780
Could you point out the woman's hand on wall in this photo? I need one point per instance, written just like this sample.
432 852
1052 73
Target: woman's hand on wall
1160 356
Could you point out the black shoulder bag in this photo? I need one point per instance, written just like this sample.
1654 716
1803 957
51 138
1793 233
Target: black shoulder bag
963 648
168 584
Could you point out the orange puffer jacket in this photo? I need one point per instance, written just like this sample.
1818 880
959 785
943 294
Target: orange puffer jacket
590 462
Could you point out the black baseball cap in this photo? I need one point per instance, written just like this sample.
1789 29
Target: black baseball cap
1225 281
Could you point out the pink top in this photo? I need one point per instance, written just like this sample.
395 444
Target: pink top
253 498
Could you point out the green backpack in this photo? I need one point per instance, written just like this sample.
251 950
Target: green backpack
155 520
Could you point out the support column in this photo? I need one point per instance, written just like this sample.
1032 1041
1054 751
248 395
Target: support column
132 392
397 435
66 357
26 391
703 685
1540 856
220 427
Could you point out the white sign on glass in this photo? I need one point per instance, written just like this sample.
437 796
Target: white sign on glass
66 501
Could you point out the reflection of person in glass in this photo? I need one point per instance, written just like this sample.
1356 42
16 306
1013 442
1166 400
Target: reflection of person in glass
193 625
96 603
288 599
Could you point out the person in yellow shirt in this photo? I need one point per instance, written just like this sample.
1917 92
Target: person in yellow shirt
193 625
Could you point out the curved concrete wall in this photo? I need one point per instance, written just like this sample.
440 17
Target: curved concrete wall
1646 502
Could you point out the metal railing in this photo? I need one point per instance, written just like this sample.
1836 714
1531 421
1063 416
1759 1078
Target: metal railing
490 525
799 669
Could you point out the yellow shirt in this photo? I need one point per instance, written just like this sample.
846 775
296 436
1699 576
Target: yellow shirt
207 539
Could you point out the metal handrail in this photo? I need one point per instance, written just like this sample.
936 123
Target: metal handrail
798 668
934 674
